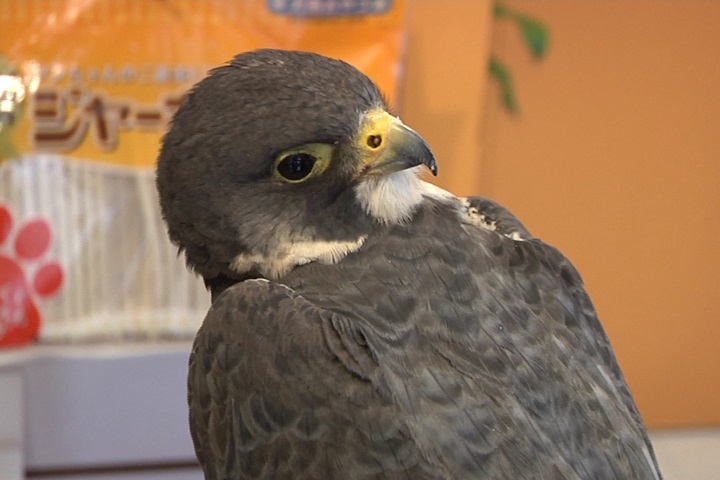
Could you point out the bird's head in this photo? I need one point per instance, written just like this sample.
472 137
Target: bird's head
281 158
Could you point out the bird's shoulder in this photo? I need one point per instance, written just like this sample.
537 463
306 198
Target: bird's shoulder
475 321
491 215
290 388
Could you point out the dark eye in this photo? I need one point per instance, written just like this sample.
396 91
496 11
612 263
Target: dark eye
296 166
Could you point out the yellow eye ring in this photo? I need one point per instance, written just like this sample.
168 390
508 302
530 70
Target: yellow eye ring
294 167
299 164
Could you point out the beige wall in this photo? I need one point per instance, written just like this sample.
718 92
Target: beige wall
445 83
615 159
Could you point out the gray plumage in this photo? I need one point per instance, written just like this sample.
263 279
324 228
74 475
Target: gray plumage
364 324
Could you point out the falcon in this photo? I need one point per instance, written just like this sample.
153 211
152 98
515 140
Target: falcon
366 324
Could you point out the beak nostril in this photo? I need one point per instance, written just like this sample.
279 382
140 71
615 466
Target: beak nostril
374 141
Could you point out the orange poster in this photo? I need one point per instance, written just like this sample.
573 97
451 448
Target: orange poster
103 77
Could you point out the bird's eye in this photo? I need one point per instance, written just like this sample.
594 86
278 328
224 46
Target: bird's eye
302 163
296 166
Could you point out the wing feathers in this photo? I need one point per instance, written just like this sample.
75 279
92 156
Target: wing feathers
478 354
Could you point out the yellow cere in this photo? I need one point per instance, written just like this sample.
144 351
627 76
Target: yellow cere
374 131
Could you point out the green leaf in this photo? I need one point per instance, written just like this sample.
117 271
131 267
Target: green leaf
535 35
499 72
501 10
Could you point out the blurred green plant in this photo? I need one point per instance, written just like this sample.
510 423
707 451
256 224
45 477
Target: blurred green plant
535 36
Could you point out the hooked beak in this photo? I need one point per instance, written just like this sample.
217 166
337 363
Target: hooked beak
387 145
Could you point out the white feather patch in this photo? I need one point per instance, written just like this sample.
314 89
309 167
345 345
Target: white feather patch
433 191
291 254
394 198
475 217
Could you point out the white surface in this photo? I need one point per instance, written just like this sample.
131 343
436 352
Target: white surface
108 409
688 454
98 406
11 431
164 475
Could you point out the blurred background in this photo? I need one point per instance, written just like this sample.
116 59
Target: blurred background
597 125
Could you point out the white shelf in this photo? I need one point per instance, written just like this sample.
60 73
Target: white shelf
94 406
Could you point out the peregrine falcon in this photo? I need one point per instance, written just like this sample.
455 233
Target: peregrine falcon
366 324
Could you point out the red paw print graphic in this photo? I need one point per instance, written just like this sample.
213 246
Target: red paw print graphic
19 316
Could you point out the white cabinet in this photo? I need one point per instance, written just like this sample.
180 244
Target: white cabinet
92 411
11 427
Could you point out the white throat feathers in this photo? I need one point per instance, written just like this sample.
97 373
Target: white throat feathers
393 198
